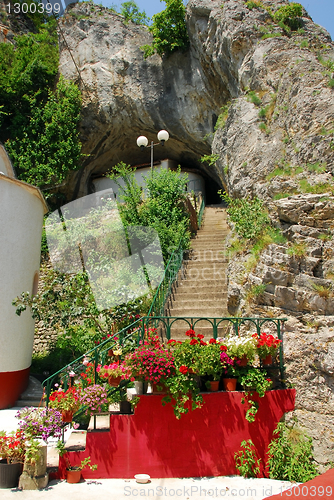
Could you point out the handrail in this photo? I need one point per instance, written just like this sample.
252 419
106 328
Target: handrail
200 213
235 322
165 286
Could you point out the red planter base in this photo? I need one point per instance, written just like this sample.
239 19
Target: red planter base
153 440
73 476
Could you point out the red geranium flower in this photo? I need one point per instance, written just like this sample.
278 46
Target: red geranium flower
223 348
212 341
200 336
193 342
190 333
183 369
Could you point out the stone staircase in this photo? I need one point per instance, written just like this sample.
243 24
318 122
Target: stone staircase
201 288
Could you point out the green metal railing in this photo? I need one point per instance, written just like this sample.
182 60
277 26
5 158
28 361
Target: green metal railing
222 326
136 331
200 213
165 287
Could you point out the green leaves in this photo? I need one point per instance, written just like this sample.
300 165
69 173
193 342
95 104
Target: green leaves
290 454
47 146
248 216
288 16
169 30
132 13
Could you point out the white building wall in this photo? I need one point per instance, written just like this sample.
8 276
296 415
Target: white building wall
21 222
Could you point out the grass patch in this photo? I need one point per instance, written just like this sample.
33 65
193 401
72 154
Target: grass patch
222 118
323 291
317 167
279 196
254 98
306 187
297 250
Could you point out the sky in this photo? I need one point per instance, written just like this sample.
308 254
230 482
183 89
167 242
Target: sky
321 11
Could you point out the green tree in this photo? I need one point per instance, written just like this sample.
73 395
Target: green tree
48 146
169 30
162 207
39 121
132 13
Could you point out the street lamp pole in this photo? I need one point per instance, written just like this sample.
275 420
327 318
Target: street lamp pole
142 142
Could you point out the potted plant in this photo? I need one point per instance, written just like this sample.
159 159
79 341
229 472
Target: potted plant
94 399
150 362
183 391
12 453
113 372
73 472
242 348
253 380
37 426
67 402
230 369
208 364
266 346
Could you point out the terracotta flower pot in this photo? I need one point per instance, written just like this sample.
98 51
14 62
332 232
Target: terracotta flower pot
73 476
230 384
243 361
268 360
9 474
114 381
214 385
67 416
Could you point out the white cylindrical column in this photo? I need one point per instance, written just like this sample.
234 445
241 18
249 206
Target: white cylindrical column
21 222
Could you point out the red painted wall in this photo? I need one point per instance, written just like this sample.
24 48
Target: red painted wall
12 385
202 443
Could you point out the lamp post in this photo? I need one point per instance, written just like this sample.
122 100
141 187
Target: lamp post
142 142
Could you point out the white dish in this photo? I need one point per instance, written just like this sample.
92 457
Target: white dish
142 478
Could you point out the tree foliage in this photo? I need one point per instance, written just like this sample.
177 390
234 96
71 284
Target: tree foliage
39 121
169 30
48 146
131 12
289 16
161 208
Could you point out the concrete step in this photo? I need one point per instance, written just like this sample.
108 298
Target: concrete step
198 311
184 300
196 296
207 287
33 395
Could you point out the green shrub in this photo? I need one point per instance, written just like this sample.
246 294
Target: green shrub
131 12
249 217
246 461
222 118
169 30
254 4
289 16
290 454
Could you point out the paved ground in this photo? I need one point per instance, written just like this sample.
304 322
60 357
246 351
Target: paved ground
234 487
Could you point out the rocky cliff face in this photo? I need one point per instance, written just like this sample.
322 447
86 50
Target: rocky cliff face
275 139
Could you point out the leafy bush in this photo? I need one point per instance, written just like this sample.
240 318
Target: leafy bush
289 16
38 121
169 30
222 118
246 461
48 146
290 454
163 209
254 98
131 12
248 216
